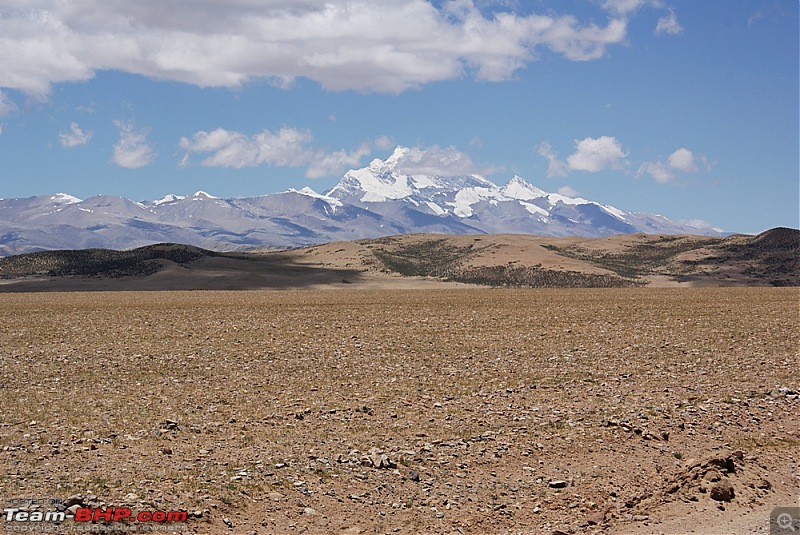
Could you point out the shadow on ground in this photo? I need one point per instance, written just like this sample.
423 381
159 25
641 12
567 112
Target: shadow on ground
161 267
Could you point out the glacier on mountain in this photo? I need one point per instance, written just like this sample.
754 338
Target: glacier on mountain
378 200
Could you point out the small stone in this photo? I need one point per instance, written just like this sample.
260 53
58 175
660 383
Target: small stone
596 518
413 476
764 484
557 484
309 511
275 496
75 499
722 492
227 522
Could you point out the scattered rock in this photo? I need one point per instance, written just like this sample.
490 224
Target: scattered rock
557 484
722 492
413 476
597 517
75 499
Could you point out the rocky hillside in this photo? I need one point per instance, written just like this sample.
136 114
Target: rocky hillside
769 259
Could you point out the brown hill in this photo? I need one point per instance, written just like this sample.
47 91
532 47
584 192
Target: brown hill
768 259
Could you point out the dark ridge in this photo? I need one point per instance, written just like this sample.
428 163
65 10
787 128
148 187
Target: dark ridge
142 261
780 238
438 259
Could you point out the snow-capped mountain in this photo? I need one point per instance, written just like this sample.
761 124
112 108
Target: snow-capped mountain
378 200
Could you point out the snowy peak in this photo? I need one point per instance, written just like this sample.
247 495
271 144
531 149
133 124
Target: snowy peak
202 195
520 189
169 198
64 198
405 175
409 192
308 192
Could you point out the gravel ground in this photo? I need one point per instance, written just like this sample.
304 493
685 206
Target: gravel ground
439 411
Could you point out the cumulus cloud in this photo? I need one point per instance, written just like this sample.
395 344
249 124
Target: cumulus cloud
593 155
683 160
132 151
660 172
669 24
288 147
568 191
333 163
435 160
555 167
74 137
365 45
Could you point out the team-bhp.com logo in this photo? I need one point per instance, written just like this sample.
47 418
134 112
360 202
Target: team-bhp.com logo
22 519
89 514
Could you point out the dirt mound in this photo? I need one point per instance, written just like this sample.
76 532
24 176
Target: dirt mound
780 238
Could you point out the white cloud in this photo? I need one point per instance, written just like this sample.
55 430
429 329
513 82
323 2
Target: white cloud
623 7
333 163
7 106
383 142
234 149
438 161
669 24
555 167
568 191
593 155
75 137
132 150
683 160
288 147
660 172
365 45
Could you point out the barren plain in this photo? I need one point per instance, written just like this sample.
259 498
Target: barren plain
629 410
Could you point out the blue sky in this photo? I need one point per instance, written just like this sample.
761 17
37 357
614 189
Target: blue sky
684 108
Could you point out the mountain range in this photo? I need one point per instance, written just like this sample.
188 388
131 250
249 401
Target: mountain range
378 200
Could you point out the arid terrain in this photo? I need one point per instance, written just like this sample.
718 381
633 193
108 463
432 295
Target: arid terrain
425 261
462 410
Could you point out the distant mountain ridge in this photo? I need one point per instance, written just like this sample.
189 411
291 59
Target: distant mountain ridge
375 201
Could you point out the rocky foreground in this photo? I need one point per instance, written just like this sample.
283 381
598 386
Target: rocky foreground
465 411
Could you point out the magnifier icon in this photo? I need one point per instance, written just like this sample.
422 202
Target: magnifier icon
785 522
